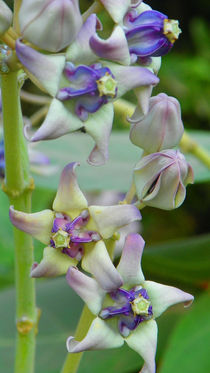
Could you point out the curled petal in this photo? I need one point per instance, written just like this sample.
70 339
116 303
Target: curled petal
144 341
69 196
143 95
79 51
110 218
101 335
54 263
59 121
38 224
114 48
5 17
99 126
44 70
116 9
87 288
97 261
130 263
163 296
130 77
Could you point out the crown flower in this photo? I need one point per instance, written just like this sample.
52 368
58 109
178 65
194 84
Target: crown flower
150 33
126 313
161 128
72 230
161 178
50 25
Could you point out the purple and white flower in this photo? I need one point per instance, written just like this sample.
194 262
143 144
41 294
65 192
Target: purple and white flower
84 87
161 179
124 313
72 230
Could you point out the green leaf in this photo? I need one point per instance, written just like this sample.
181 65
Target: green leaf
188 347
182 261
117 173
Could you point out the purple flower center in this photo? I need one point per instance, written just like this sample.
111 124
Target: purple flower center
150 33
131 307
90 87
69 236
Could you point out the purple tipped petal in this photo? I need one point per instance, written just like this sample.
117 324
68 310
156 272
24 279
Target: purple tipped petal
54 263
143 340
130 263
87 288
163 296
114 48
60 120
110 218
79 51
130 77
69 195
38 224
99 126
97 261
44 70
101 335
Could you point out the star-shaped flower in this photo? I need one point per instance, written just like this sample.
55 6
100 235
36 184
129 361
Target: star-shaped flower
126 313
73 229
84 84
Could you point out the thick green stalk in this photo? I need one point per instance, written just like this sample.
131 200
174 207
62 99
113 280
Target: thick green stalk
18 188
72 362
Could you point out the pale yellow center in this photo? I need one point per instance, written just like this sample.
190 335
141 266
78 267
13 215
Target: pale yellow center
61 239
140 306
171 29
107 85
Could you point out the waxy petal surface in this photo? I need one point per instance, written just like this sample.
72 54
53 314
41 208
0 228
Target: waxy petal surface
38 224
87 288
115 48
100 336
97 261
54 263
44 70
117 9
69 196
130 263
144 340
164 296
109 218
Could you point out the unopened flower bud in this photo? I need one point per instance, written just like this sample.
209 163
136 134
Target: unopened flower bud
161 128
50 25
5 17
161 178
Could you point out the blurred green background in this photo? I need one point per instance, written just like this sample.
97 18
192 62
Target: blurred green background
177 250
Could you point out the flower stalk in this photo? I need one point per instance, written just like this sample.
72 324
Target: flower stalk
18 187
72 361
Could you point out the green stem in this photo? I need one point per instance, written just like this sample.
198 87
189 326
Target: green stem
34 99
130 194
190 146
73 360
18 187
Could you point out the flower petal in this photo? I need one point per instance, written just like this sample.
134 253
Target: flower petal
87 288
97 261
69 196
38 224
79 51
114 48
109 218
116 9
54 263
101 335
130 77
60 120
130 263
163 296
99 126
144 340
44 70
